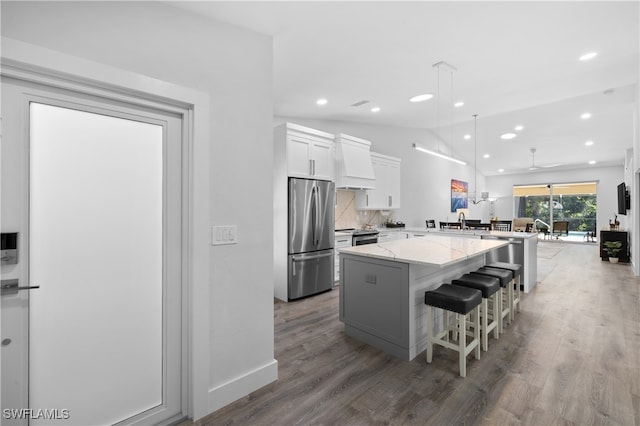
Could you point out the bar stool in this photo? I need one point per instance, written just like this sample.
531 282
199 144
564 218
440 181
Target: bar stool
516 270
506 297
461 301
489 287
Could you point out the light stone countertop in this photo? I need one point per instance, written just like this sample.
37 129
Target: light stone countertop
462 233
428 250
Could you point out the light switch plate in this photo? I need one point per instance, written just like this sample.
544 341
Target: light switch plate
224 234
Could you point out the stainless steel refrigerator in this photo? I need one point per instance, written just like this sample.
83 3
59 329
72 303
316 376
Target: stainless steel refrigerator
311 236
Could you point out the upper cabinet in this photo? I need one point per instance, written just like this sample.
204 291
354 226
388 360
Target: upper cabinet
386 195
353 163
309 152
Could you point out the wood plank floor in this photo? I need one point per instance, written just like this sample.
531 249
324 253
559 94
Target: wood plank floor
571 357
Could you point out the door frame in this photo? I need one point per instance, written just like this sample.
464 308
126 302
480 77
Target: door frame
39 65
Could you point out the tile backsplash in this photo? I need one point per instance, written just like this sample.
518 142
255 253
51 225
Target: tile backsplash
348 217
346 214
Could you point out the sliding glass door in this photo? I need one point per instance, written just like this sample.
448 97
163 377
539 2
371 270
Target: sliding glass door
532 201
577 205
551 205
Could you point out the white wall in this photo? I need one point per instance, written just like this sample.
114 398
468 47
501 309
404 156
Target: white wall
608 179
235 67
425 180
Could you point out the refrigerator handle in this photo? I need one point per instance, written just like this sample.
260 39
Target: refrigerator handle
316 218
318 230
293 266
313 257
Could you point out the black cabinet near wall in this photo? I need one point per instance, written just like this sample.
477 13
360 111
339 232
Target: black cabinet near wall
622 236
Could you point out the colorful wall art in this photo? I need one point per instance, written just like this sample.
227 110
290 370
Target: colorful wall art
459 195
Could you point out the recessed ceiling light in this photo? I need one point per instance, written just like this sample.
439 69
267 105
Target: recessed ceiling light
592 162
321 102
486 156
507 136
588 143
586 116
421 98
500 170
458 104
588 56
375 109
467 137
518 128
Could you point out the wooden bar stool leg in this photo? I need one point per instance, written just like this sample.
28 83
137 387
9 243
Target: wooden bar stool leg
517 298
476 330
510 301
430 333
462 339
497 313
500 309
445 321
484 314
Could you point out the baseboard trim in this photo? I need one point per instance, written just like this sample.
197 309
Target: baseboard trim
241 386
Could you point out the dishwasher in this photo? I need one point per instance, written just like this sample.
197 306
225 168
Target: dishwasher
512 253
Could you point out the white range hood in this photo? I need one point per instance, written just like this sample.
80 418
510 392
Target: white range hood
353 163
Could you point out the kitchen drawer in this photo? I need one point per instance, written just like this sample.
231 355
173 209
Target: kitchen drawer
343 242
385 236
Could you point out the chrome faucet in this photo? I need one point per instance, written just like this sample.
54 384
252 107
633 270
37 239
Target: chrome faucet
462 219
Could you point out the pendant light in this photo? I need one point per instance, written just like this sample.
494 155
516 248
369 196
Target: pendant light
485 195
437 152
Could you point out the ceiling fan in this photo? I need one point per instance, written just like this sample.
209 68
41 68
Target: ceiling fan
533 162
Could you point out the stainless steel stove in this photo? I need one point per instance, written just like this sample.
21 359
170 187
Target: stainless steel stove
362 237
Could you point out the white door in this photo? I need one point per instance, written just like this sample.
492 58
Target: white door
93 188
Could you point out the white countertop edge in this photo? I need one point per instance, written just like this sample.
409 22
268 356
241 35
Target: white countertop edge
342 234
392 256
470 233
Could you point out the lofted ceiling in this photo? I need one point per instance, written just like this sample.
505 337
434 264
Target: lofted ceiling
516 64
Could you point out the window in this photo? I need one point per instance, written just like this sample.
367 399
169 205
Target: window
571 202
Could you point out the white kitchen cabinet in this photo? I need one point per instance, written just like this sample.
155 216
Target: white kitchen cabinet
341 241
386 195
398 235
391 235
299 152
309 152
385 236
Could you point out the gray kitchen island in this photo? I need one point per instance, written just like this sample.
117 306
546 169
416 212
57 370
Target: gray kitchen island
382 286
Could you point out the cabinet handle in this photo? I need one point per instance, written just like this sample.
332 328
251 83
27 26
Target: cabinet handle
390 200
367 200
314 167
311 167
